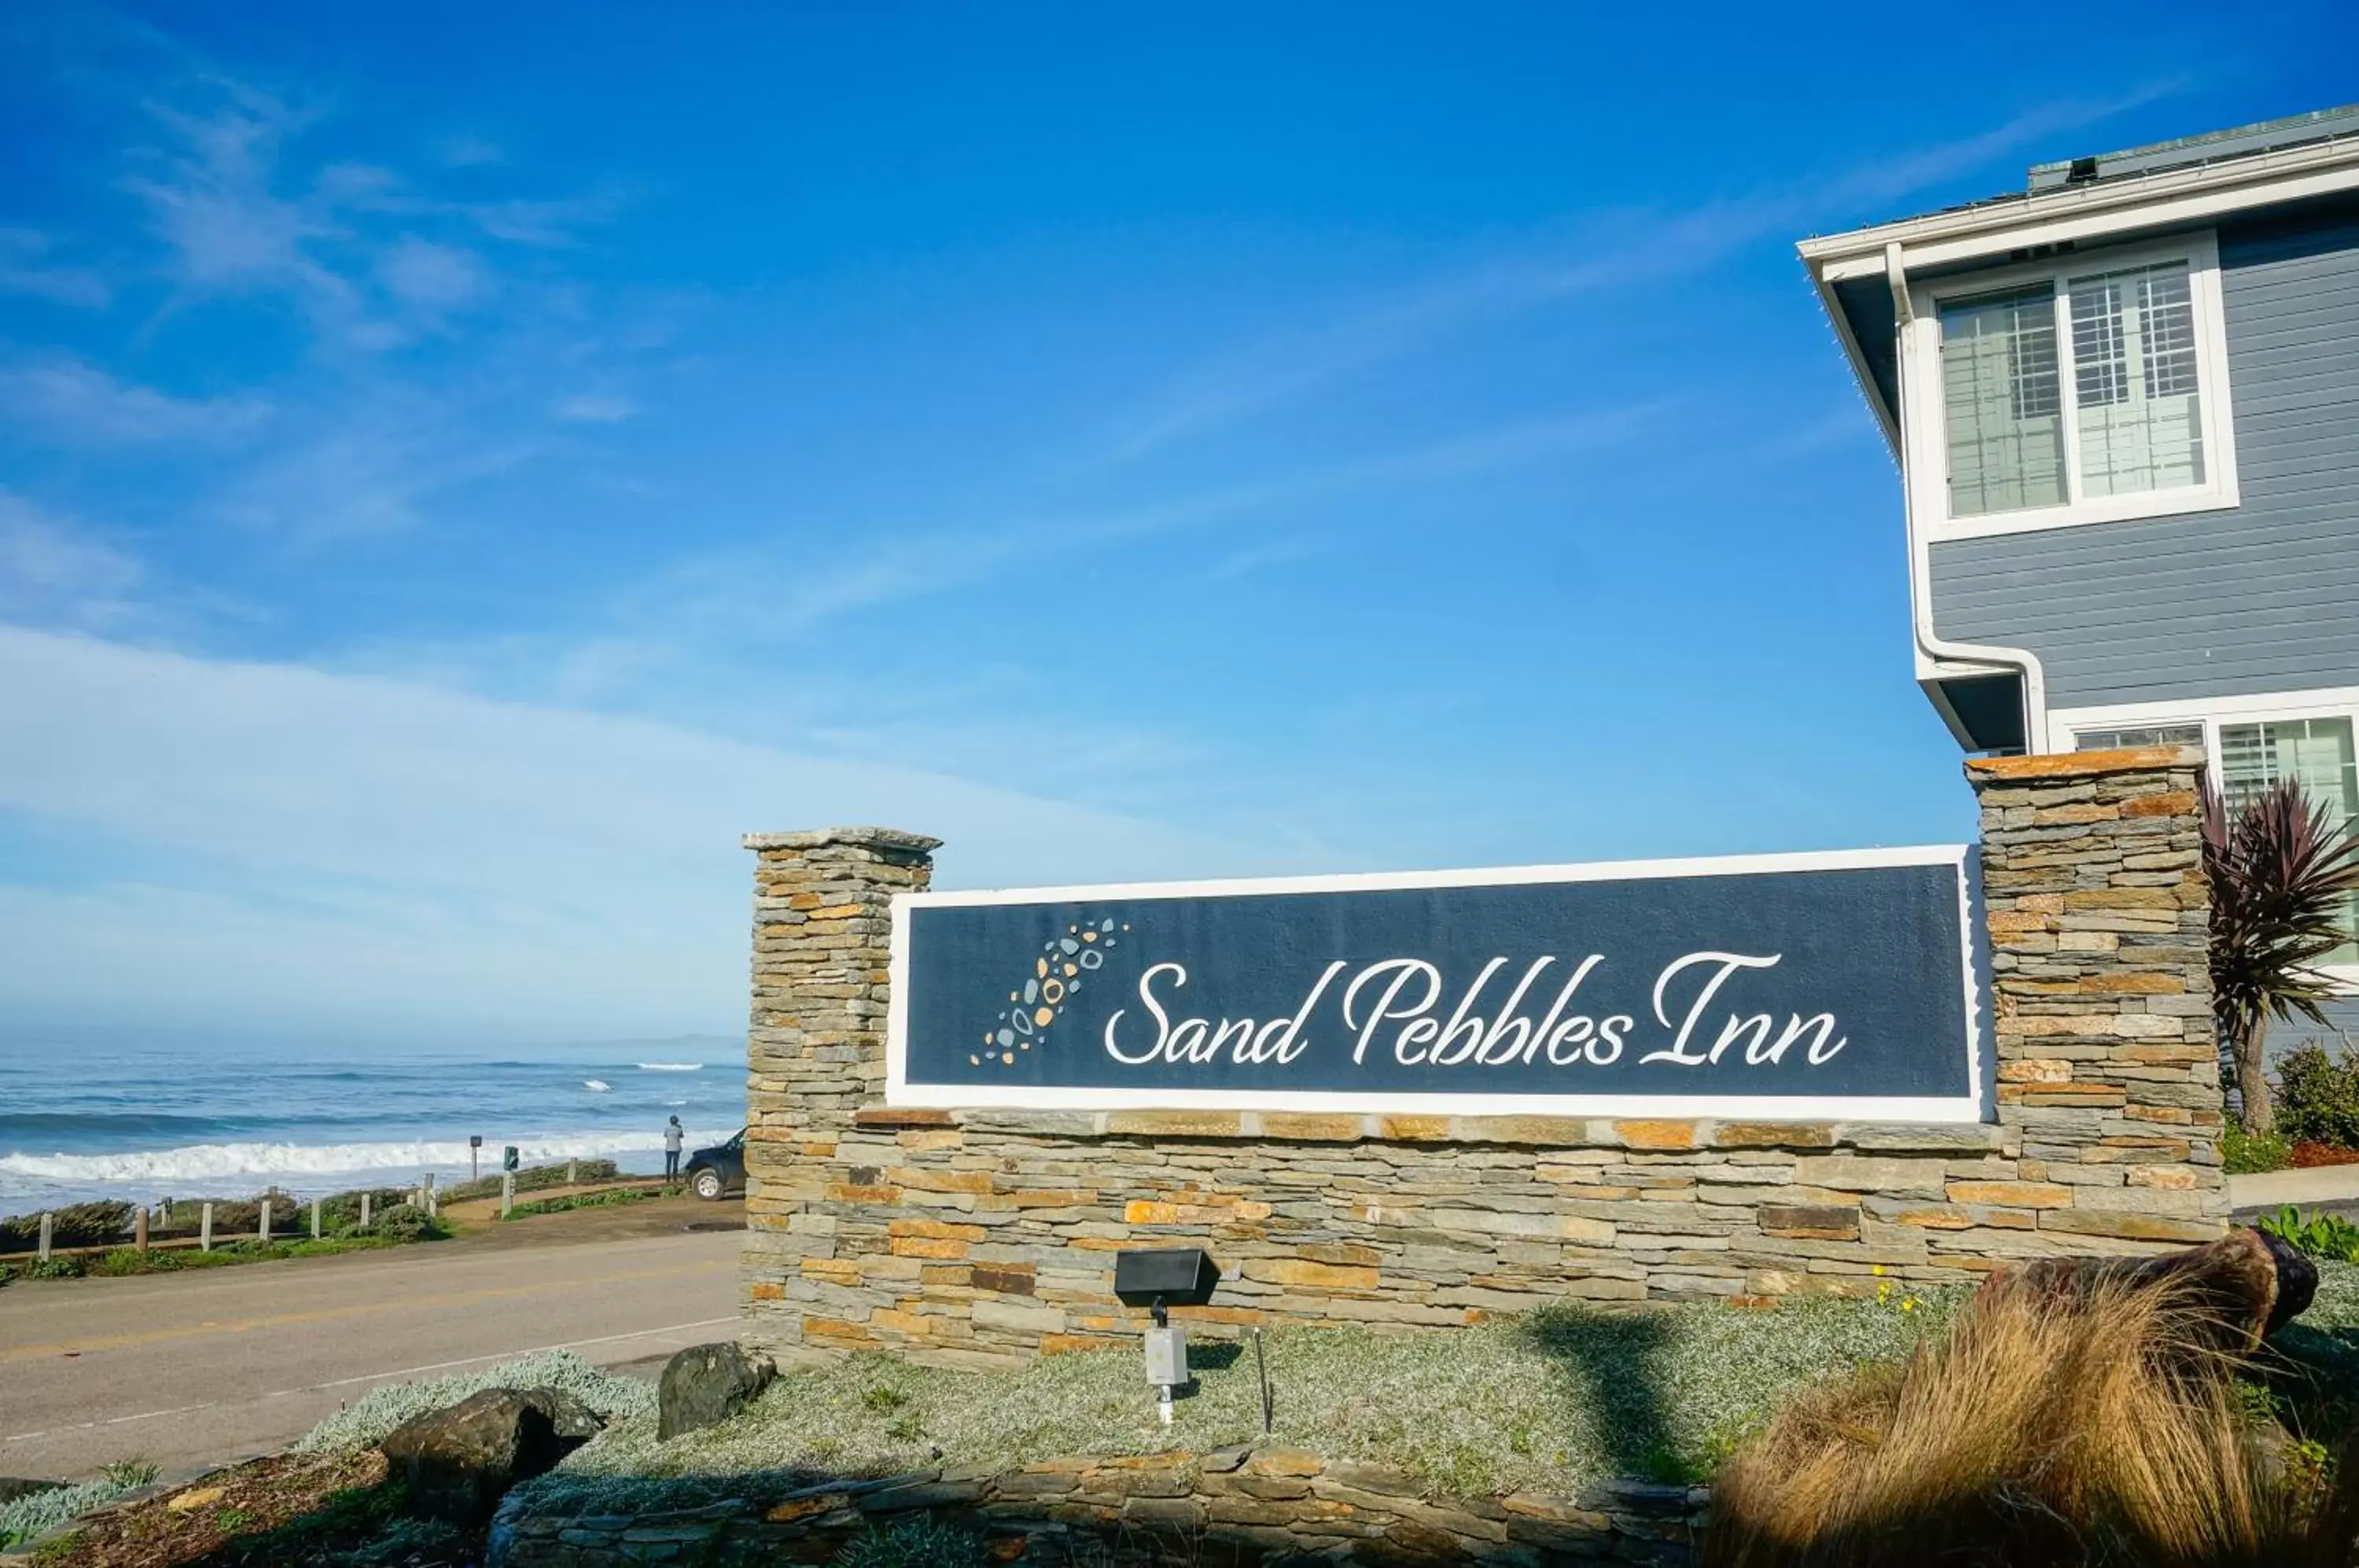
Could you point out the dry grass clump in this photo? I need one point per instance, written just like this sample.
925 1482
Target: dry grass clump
2044 1431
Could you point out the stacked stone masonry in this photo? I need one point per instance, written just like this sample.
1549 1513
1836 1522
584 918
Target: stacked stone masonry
985 1238
1234 1505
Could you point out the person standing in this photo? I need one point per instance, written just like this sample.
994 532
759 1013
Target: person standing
673 1138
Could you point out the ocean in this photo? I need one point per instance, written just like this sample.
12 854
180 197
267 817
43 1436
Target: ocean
82 1118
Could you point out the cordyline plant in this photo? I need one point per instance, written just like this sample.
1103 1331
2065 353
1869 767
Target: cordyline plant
2282 876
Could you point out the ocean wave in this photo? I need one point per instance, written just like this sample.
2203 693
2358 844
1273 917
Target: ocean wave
671 1066
217 1161
596 1086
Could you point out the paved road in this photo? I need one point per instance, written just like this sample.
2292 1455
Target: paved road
193 1368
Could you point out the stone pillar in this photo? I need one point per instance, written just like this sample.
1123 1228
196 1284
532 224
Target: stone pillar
2107 1058
822 956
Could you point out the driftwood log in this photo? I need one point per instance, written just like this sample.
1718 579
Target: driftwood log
2231 1293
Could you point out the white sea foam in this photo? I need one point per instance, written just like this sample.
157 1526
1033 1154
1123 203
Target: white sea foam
215 1162
671 1066
596 1086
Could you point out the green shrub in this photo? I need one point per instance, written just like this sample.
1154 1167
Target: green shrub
912 1543
62 1266
2244 1153
403 1222
77 1225
2320 1236
2318 1095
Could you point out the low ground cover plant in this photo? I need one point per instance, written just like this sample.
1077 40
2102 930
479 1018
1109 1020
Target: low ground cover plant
612 1198
2320 1236
1555 1399
535 1178
368 1418
2245 1153
38 1513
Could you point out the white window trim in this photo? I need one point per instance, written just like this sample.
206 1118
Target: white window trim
2331 702
1926 447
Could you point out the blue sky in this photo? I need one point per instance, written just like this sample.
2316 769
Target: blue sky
461 466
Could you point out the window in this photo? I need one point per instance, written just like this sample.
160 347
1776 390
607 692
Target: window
2148 734
2079 391
2315 753
1999 392
2138 404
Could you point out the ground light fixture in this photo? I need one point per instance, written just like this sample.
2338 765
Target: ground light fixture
1158 1279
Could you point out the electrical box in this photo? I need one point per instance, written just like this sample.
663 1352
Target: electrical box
1180 1276
1167 1356
508 1158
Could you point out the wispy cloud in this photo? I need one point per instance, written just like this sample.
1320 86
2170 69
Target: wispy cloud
434 278
595 408
27 267
1606 251
76 402
56 573
1262 556
468 152
367 255
766 592
372 472
480 815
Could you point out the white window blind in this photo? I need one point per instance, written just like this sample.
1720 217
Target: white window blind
1999 390
2317 755
2137 408
2146 734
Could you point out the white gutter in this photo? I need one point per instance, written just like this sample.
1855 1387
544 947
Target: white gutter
1935 652
2064 214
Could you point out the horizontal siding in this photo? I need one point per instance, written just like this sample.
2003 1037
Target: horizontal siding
2262 598
2341 1014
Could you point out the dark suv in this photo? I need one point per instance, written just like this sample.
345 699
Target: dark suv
714 1173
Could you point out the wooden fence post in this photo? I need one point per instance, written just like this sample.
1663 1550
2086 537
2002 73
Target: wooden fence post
315 1219
507 1191
428 1204
48 1227
364 1209
205 1229
265 1220
139 1228
572 1172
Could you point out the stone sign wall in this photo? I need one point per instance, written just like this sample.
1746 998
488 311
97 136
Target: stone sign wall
984 1237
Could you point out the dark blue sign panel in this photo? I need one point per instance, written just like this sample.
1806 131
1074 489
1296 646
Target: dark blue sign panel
1811 985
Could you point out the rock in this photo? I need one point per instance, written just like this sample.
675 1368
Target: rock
458 1462
2296 1281
2231 1292
15 1486
706 1384
196 1497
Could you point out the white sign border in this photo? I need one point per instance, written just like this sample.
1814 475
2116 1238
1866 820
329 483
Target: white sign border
899 1093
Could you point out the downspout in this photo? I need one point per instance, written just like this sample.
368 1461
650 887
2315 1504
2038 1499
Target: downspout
1976 657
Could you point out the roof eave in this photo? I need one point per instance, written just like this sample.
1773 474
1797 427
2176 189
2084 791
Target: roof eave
2129 200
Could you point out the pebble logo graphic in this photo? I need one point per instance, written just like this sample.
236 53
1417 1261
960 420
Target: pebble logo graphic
1056 979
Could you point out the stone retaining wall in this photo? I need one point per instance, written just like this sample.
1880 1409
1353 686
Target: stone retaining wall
1234 1505
984 1238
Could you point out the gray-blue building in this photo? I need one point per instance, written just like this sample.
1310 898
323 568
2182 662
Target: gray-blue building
2126 404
